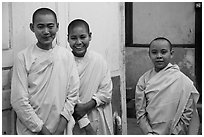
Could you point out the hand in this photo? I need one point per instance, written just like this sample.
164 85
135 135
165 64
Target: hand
79 111
82 109
44 131
89 130
61 126
152 133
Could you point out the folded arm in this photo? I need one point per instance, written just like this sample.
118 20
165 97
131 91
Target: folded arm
102 96
70 102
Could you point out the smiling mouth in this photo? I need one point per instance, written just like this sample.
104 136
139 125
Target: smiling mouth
79 48
46 38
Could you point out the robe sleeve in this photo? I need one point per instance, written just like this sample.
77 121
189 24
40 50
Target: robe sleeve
183 124
72 93
140 104
20 97
84 121
104 93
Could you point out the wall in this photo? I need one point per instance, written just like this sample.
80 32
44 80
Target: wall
175 20
108 40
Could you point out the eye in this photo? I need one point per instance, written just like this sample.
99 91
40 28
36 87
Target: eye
40 26
73 38
164 51
154 52
83 36
51 26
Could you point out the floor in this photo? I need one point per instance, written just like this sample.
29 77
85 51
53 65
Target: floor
132 127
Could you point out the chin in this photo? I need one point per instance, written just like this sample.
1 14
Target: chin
47 42
79 54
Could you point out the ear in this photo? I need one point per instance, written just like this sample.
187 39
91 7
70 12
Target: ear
172 53
32 27
90 36
68 37
57 26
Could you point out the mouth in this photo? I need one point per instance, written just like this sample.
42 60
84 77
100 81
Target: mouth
46 37
159 62
79 48
79 51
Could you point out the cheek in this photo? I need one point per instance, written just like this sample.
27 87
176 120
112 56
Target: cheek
53 32
168 57
38 35
152 57
71 44
87 43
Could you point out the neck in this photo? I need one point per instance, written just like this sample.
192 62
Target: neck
44 47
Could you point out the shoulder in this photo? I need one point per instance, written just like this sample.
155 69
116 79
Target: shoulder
62 51
146 74
25 52
184 78
96 57
144 77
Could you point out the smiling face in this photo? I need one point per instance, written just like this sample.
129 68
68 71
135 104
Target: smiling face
160 54
45 28
79 39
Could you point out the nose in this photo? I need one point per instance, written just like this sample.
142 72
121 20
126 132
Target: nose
46 31
78 42
159 55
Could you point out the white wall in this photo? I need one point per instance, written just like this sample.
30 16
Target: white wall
175 20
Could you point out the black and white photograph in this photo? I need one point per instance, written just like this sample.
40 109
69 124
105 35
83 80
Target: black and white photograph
102 68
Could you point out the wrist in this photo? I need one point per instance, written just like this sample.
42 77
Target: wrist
90 105
88 127
63 120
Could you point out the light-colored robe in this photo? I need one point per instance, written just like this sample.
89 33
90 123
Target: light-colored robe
165 102
45 85
95 83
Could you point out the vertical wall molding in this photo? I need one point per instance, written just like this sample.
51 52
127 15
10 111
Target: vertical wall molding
122 68
10 25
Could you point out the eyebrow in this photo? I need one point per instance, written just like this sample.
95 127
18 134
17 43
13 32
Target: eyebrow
46 23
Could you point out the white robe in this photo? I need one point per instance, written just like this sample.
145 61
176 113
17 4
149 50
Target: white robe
45 84
95 83
165 102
